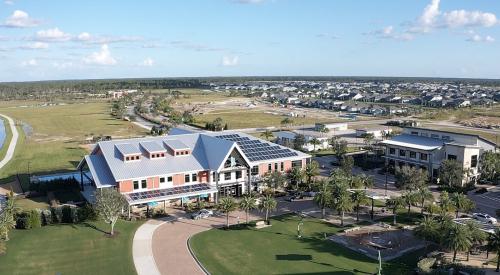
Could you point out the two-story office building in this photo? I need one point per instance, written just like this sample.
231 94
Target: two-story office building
185 166
426 149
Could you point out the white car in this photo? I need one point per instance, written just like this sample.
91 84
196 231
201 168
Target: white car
202 214
484 218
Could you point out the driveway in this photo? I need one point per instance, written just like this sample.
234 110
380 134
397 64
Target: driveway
168 239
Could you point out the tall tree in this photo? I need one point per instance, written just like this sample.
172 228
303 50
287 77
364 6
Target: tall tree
346 164
358 198
109 203
451 173
457 238
461 203
295 177
247 203
315 142
395 204
494 245
227 205
409 199
267 134
7 216
274 180
410 178
268 204
323 197
299 141
477 235
428 230
422 195
310 172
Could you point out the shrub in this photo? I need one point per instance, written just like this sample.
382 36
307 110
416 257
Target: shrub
57 215
23 221
66 214
46 217
426 264
74 215
35 220
87 213
56 184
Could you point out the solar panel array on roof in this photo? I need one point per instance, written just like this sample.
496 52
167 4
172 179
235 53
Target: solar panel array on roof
153 194
256 150
152 146
128 149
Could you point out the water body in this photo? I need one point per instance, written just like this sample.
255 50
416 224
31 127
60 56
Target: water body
2 133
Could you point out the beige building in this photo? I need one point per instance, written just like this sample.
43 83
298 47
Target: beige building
426 148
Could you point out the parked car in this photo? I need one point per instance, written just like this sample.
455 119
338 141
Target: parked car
295 197
309 194
202 214
484 218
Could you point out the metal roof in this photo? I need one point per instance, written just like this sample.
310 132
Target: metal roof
101 174
176 144
128 149
152 146
415 142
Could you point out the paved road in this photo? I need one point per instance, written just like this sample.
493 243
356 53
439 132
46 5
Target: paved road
488 202
160 247
13 142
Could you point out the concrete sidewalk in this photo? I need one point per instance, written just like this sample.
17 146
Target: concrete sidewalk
13 141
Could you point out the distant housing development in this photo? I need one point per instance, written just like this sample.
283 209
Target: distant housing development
426 149
179 168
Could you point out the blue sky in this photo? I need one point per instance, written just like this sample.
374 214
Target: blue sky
60 39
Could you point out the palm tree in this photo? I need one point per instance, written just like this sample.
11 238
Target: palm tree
477 235
445 204
268 204
494 245
409 199
427 229
315 142
323 197
343 204
226 205
286 121
457 238
422 195
7 219
295 176
267 134
359 198
365 180
247 203
311 171
461 203
395 204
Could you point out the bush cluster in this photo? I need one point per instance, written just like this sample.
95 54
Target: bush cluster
64 214
56 184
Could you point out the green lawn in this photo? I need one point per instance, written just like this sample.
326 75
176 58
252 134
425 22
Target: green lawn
277 250
58 133
252 118
70 249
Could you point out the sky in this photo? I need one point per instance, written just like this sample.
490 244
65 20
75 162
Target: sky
60 39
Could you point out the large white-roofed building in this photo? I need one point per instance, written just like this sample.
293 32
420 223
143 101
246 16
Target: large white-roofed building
184 166
427 148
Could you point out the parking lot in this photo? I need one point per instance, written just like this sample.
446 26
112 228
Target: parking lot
487 202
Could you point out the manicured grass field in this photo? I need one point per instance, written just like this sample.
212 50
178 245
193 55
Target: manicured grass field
253 118
70 249
57 135
277 250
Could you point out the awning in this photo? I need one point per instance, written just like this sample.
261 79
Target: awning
169 193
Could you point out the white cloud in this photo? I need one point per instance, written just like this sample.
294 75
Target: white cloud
62 65
389 33
474 37
148 62
20 19
429 17
463 18
29 63
84 36
327 35
102 57
36 46
52 35
229 61
9 2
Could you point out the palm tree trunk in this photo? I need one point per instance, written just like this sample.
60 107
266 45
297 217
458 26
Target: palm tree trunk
394 221
323 210
227 220
342 219
409 206
468 253
267 215
357 213
454 255
498 261
246 213
422 207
